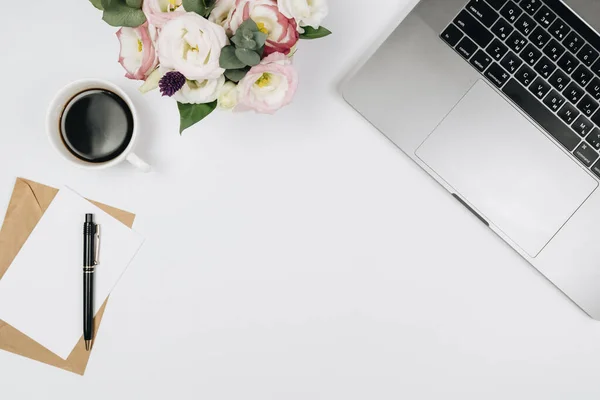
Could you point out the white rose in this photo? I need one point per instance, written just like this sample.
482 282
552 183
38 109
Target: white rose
192 45
305 12
228 96
221 11
200 92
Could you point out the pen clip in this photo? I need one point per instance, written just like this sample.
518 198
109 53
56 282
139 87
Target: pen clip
97 245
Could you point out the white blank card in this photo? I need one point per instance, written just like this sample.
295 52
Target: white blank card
41 294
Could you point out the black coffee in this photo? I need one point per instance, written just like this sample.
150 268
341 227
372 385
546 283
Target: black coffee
96 125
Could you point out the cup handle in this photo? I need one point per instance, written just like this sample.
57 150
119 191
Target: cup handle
138 162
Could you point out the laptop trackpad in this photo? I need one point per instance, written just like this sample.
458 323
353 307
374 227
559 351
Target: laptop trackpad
506 169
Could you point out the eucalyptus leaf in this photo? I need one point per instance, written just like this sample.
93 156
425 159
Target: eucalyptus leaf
247 34
312 33
97 4
236 75
191 114
248 57
229 60
202 7
120 15
107 3
134 3
237 40
260 38
249 24
249 44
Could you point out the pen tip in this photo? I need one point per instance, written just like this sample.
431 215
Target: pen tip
88 345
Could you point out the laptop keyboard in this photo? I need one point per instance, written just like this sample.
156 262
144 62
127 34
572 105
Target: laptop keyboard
544 58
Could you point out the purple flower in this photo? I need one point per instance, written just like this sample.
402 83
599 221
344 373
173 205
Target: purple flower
171 83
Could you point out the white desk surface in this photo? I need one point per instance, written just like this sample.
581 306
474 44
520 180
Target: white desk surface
300 256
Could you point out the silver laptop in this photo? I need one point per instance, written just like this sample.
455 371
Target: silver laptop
499 101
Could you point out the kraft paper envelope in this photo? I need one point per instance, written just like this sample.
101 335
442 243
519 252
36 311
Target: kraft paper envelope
28 203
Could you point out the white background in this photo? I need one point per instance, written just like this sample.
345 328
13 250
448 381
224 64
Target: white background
300 256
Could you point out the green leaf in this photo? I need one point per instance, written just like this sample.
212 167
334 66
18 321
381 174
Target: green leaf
202 7
106 4
229 60
247 34
248 24
260 38
134 3
124 16
236 75
237 40
191 114
97 4
248 57
312 33
249 44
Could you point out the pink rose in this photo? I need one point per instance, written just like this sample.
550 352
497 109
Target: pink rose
268 86
282 31
159 12
138 54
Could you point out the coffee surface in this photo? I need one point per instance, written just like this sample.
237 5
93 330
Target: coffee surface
97 126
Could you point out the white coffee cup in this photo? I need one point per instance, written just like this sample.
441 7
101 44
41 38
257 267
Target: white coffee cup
53 124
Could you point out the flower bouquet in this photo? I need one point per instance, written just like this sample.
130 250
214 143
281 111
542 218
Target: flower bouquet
209 54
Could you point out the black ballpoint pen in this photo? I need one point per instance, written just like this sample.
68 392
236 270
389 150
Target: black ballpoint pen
90 260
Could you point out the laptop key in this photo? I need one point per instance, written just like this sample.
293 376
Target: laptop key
568 63
596 118
544 16
484 13
540 88
586 154
540 37
582 75
525 75
594 88
473 28
568 113
544 117
502 29
574 93
545 67
588 55
516 42
466 47
554 50
594 139
559 80
583 126
559 29
573 42
596 67
452 35
497 75
511 62
511 11
531 6
531 55
481 60
596 169
554 100
525 25
497 4
496 49
588 106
